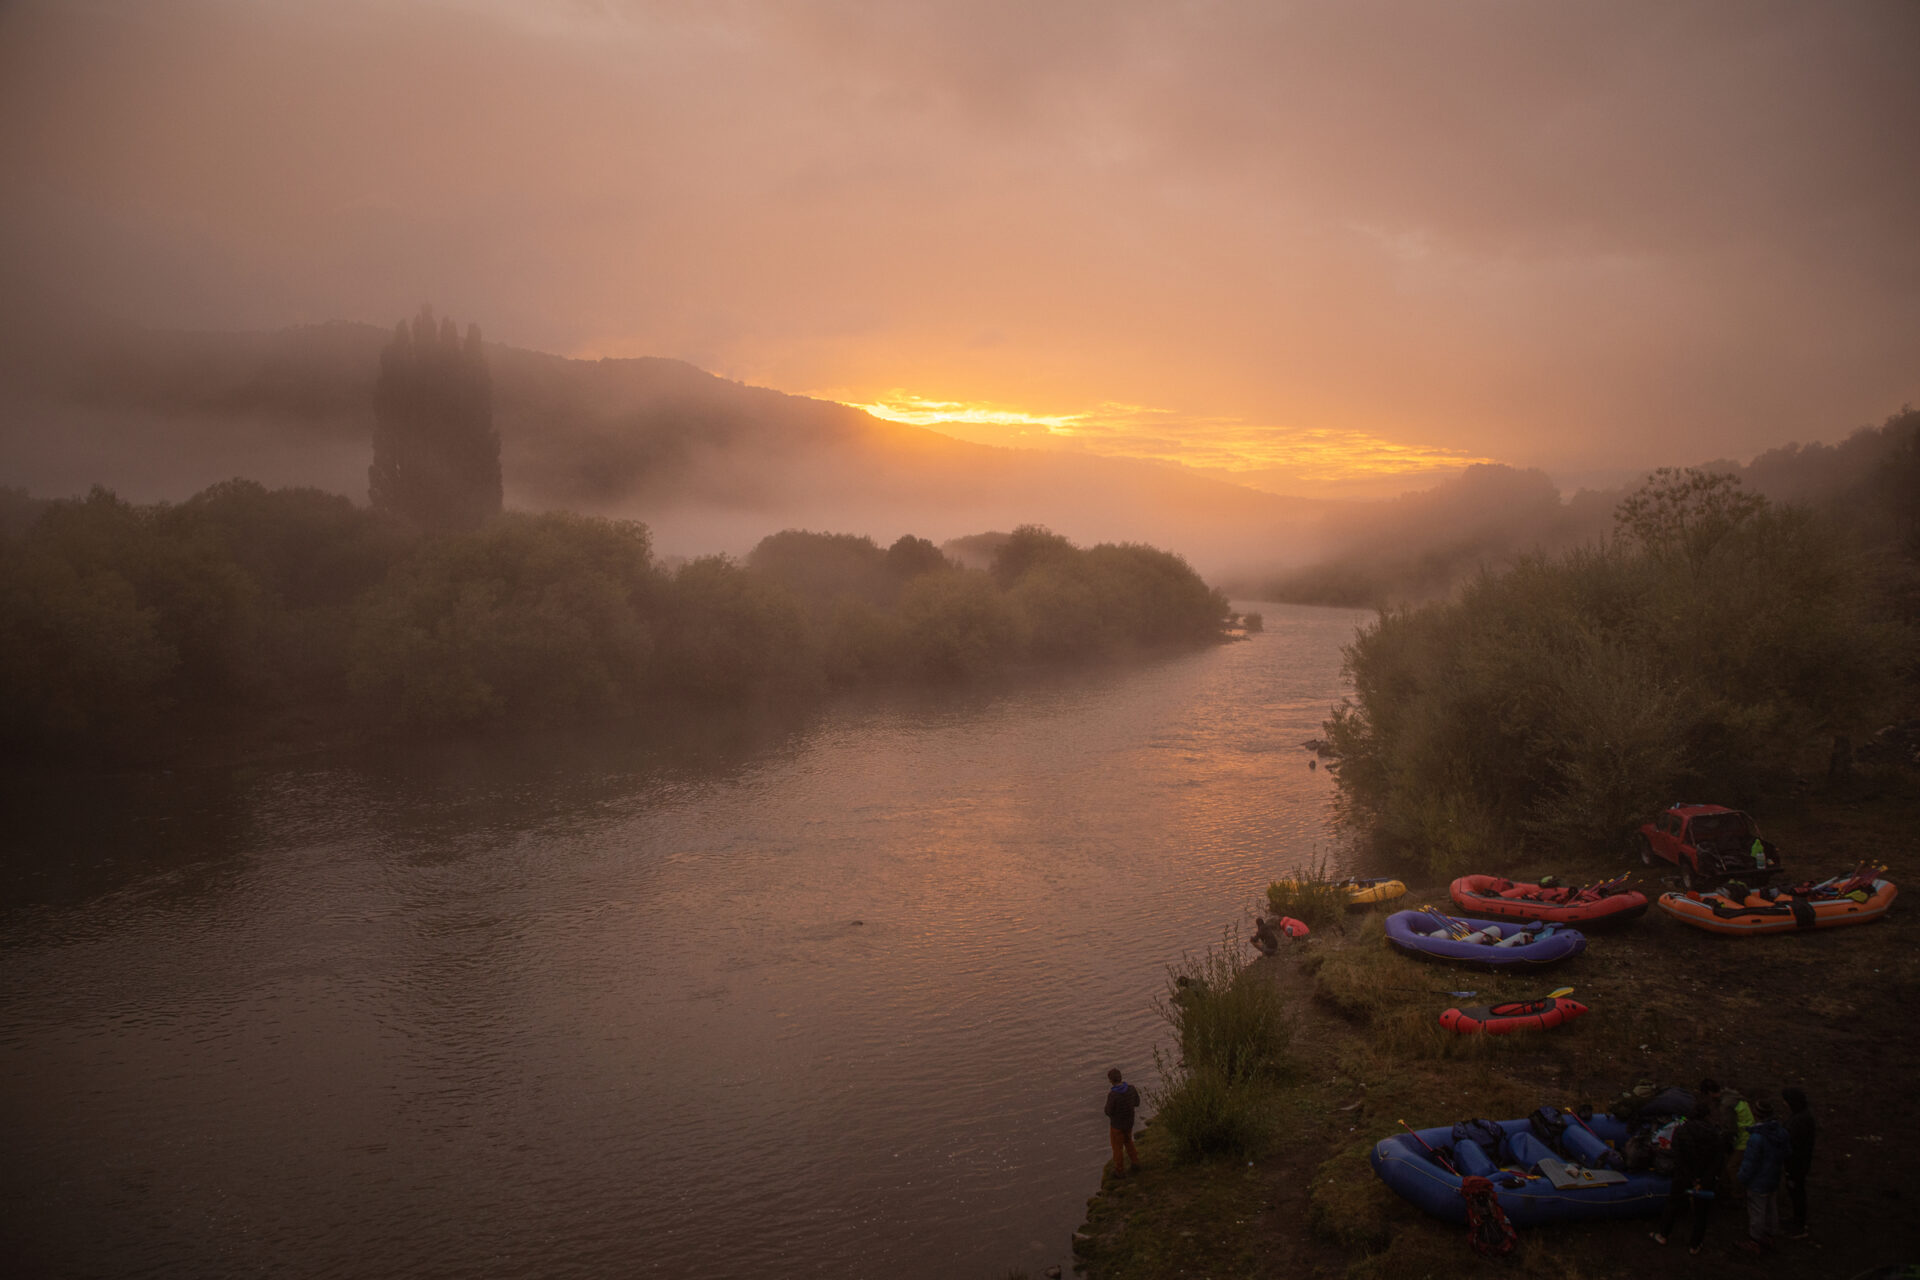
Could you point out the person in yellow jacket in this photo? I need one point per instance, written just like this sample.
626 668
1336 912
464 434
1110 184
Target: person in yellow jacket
1735 1117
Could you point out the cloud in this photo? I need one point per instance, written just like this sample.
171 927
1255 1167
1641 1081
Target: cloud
1576 237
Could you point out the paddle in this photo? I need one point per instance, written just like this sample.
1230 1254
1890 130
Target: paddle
1454 928
1557 992
1583 1124
1440 1156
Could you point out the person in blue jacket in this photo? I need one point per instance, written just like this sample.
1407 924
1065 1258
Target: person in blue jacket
1122 1100
1761 1171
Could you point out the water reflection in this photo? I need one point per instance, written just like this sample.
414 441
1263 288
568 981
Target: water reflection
571 1006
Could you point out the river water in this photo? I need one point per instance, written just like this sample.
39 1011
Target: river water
824 995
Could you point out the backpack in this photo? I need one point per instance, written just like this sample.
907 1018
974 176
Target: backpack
1547 1124
1488 1230
1485 1132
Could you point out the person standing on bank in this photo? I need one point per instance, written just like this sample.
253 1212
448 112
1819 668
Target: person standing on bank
1697 1147
1800 1130
1122 1101
1761 1172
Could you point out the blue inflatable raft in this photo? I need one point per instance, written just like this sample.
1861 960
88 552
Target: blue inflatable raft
1408 930
1527 1191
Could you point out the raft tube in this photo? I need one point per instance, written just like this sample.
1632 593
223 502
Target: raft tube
1360 893
1413 1173
1721 913
1519 900
1517 1015
1407 930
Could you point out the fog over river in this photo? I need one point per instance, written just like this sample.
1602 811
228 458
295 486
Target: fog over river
824 995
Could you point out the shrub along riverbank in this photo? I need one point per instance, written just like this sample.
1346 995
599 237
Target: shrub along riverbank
1705 651
128 629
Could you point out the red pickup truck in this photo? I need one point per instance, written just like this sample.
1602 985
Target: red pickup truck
1709 843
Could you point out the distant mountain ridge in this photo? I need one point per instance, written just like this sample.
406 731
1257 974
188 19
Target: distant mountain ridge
710 464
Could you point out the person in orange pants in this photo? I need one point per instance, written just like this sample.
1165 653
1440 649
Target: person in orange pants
1122 1101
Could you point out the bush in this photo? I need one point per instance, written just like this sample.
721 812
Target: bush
955 625
530 619
80 658
1230 1019
1233 1034
1559 702
729 632
1203 1114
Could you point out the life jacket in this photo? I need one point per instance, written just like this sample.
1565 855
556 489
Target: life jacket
1742 1123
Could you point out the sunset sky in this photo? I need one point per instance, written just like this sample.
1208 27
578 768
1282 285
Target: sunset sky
1317 247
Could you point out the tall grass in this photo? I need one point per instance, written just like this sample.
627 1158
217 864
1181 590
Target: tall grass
1233 1032
1230 1019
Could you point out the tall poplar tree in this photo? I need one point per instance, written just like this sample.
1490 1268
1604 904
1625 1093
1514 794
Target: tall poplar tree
436 455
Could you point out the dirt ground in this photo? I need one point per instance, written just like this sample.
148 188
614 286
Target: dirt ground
1835 1011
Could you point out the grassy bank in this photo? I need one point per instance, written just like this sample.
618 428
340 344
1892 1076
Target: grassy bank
1828 1011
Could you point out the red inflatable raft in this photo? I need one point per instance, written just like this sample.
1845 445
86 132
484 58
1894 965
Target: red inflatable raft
1609 902
1519 1015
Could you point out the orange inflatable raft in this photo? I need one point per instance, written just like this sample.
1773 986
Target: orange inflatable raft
1609 902
1783 912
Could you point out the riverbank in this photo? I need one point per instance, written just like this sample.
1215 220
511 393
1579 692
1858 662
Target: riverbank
1829 1011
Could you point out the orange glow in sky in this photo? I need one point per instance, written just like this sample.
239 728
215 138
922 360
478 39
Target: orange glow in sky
1323 242
1281 459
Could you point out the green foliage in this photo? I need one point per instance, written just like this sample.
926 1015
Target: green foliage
1105 600
1561 701
204 608
80 658
533 619
820 568
303 548
909 557
1233 1032
1230 1018
1685 514
249 602
955 624
1028 546
731 633
1314 895
1203 1114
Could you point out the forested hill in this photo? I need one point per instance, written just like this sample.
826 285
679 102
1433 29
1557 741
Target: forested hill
709 464
1423 545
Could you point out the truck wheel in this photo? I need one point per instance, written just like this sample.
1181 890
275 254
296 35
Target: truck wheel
1690 879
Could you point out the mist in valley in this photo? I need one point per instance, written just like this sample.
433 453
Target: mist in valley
596 594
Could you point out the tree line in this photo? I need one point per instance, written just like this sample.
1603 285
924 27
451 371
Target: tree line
1711 648
123 623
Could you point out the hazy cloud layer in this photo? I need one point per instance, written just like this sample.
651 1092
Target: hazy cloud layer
1584 238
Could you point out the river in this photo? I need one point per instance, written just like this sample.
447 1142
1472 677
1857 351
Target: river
828 994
